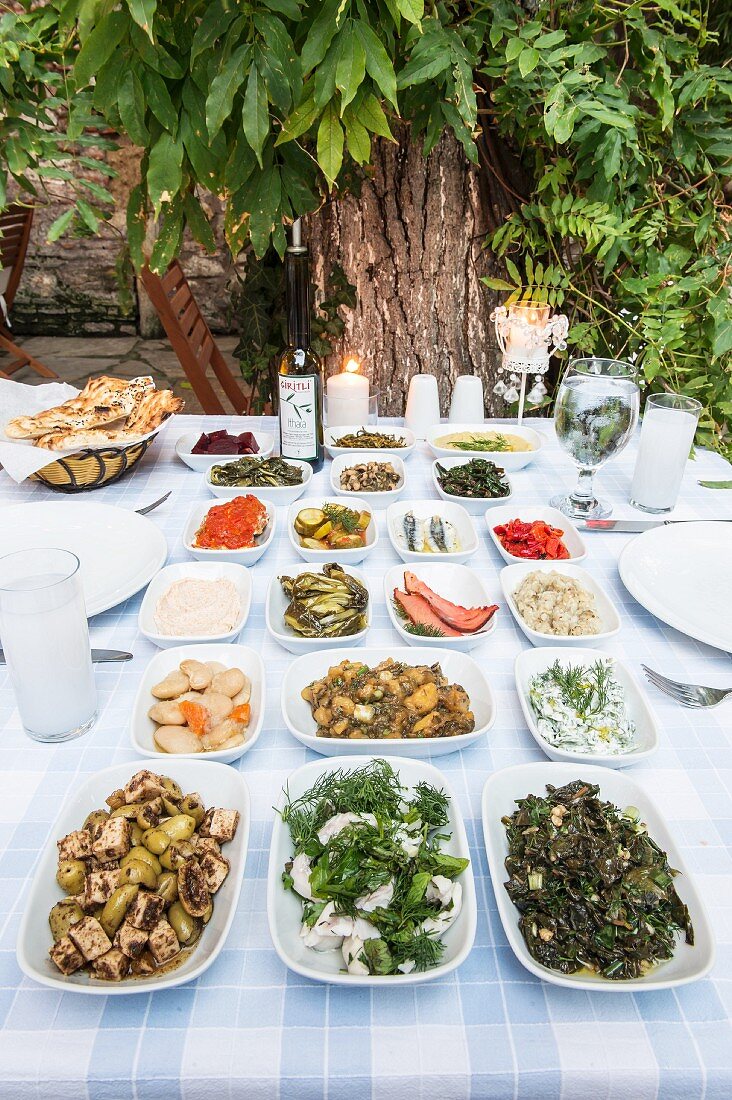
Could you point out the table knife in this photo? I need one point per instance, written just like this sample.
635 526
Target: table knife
627 525
99 656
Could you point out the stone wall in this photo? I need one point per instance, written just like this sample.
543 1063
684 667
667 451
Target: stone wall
80 286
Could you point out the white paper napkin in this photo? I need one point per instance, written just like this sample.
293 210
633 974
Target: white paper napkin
19 457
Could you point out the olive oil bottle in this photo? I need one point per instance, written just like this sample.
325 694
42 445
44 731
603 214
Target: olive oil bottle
300 370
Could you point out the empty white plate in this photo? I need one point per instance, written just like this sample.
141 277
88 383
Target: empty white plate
682 574
118 550
500 794
219 786
284 910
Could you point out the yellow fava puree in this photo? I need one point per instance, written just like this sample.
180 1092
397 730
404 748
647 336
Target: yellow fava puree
515 442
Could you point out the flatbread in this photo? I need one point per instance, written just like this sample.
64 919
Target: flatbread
102 401
152 410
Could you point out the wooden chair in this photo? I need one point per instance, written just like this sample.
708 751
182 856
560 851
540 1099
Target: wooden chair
15 227
192 341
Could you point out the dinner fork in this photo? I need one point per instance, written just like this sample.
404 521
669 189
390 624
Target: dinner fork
149 507
689 695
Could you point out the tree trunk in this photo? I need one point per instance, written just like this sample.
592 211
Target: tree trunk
412 244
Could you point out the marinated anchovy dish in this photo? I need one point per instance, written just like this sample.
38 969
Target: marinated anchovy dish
140 878
393 700
582 708
257 473
329 604
433 535
370 868
594 890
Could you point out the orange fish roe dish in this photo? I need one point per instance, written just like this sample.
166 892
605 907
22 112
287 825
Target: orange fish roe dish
233 525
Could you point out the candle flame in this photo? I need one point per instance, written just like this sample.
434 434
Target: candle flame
352 366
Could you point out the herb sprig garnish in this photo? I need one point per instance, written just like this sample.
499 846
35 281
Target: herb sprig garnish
345 517
422 630
497 442
585 689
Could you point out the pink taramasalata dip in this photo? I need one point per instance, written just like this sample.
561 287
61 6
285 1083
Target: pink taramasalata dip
196 608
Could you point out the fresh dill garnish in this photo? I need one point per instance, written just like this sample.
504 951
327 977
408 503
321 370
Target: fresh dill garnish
431 805
422 630
585 689
344 517
497 442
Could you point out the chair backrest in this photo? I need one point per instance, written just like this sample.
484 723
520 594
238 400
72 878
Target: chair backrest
15 227
192 340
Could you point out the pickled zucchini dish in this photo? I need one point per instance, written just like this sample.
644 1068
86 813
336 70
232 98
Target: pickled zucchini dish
332 527
140 878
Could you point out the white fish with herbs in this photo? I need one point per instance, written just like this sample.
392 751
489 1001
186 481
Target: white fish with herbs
582 708
433 535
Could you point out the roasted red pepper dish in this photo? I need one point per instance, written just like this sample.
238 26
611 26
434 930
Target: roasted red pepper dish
536 540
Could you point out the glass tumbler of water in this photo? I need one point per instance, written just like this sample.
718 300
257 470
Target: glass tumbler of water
44 633
667 433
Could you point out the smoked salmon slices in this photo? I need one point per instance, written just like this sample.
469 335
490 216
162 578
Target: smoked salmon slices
434 616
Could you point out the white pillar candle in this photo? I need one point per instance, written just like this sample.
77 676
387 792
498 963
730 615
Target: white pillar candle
348 396
526 321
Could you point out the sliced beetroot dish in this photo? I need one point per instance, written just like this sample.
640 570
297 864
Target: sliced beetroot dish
221 442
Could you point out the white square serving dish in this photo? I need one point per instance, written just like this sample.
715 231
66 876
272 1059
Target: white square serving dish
343 557
276 603
532 662
423 510
458 667
284 908
142 728
571 537
475 505
376 499
500 794
512 576
281 495
185 443
244 556
341 430
196 570
509 460
458 583
218 786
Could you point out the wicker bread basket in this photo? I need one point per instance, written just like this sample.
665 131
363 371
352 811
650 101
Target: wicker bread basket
79 473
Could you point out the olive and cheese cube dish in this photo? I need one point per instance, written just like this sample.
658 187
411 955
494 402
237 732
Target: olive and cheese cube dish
140 879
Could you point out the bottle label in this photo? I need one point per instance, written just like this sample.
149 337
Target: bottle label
298 416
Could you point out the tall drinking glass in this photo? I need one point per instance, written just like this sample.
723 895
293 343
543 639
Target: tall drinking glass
595 413
44 634
669 426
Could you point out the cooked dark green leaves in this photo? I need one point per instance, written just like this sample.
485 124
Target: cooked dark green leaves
479 479
328 604
256 473
593 889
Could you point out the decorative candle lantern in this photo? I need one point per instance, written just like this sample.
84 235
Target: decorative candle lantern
527 335
348 399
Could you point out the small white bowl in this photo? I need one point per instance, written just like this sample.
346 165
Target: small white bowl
143 728
459 668
532 662
387 429
245 556
423 509
343 557
284 909
276 603
458 583
571 538
281 495
379 499
185 444
512 576
195 570
474 505
509 460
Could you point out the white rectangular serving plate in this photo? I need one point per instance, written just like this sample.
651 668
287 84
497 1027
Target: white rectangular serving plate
343 557
280 495
239 576
511 577
458 583
552 516
351 429
246 555
532 662
276 603
284 908
218 786
423 509
500 794
376 499
142 728
458 667
185 443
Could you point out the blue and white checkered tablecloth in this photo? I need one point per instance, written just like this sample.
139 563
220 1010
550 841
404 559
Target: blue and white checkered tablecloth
249 1029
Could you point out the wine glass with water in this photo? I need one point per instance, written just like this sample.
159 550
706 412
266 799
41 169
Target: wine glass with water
595 414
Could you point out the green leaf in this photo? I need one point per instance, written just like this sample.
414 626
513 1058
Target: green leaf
351 65
357 136
88 215
215 21
198 223
528 60
412 10
159 101
300 120
514 48
164 174
99 46
497 284
143 12
322 32
131 106
255 113
330 144
715 484
60 225
136 225
371 114
265 208
224 87
168 239
378 63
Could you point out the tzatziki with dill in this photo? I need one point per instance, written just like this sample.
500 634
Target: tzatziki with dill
581 708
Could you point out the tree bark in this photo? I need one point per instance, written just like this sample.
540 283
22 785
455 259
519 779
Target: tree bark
411 242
